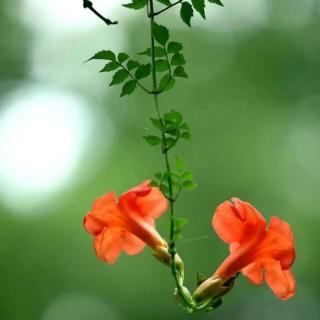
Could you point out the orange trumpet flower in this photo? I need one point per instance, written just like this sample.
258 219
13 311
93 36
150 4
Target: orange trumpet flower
259 252
127 224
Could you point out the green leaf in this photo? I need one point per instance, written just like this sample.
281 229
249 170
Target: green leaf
153 140
146 52
186 135
119 77
128 88
186 13
179 224
175 188
158 52
143 71
166 83
110 67
165 176
154 183
180 166
158 175
136 4
175 178
199 6
161 65
122 57
185 126
132 64
173 117
172 131
156 123
187 176
104 55
169 141
174 47
160 33
180 72
218 2
178 59
164 189
165 2
189 185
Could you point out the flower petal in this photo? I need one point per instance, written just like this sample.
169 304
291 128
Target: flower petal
235 222
131 244
92 224
141 190
154 204
276 224
112 241
281 282
146 200
108 244
254 273
227 224
249 213
105 207
281 242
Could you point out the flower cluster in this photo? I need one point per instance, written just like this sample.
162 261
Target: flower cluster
257 251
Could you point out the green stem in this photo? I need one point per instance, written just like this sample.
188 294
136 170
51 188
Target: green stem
134 78
173 143
167 59
153 14
172 247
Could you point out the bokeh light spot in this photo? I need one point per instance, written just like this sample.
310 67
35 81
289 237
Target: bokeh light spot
43 133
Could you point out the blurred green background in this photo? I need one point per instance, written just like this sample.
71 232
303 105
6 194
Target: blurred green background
253 101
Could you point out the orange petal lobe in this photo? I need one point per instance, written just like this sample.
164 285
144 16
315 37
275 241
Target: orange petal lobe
281 282
280 242
236 221
227 223
108 244
104 207
254 273
153 205
131 244
144 200
92 224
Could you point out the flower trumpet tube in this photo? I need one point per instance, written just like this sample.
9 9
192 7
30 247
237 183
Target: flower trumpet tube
128 224
257 251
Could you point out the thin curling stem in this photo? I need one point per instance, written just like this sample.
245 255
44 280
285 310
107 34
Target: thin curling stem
88 4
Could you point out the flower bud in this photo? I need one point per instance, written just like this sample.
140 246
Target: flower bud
163 255
210 288
186 293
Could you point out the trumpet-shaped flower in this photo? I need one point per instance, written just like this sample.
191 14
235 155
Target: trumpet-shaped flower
259 252
127 224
